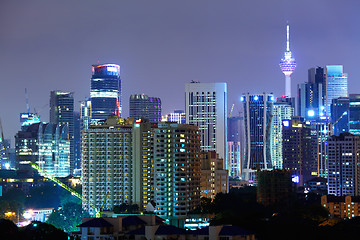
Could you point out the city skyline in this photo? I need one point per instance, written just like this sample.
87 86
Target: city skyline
161 46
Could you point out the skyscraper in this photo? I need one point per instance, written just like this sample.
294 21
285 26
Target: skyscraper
311 95
235 141
205 107
344 165
287 64
142 106
281 111
258 110
105 91
62 114
340 114
298 153
336 85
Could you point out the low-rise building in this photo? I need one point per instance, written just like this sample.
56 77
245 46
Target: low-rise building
342 206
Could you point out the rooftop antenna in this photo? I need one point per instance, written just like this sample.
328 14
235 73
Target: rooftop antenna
27 101
287 37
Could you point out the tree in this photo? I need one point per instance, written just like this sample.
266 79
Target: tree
42 231
68 217
126 208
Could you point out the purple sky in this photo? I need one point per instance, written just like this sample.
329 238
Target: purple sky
162 44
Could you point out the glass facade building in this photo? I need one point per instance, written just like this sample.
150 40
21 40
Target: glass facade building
142 106
62 114
105 91
336 85
258 110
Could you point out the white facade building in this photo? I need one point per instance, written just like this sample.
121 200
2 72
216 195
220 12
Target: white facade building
206 107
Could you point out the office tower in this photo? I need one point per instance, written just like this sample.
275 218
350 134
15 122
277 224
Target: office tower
142 106
85 114
344 165
345 114
281 111
176 170
258 110
177 116
287 64
77 143
311 104
340 114
62 114
4 153
336 85
105 91
235 141
321 130
205 107
298 152
26 119
46 145
214 178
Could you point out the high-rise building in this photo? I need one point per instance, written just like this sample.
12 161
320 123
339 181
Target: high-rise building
281 111
345 114
287 64
214 178
298 153
105 91
311 95
46 145
77 143
344 165
142 106
62 114
235 143
176 171
139 162
336 85
177 116
26 119
340 114
206 107
321 130
258 110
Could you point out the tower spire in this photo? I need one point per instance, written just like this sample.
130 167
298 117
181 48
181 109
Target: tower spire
287 63
287 38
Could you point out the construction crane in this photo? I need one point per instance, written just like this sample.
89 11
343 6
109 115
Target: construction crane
342 115
232 108
72 191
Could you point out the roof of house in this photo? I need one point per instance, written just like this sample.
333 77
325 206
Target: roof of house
132 220
96 222
233 231
169 230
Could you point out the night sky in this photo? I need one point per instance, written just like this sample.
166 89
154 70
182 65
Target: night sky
162 44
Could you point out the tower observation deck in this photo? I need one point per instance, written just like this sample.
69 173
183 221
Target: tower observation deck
287 64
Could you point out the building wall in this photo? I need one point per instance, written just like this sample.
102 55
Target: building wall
176 170
344 165
214 178
258 111
206 107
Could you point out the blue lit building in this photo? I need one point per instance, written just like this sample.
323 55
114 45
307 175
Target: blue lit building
336 85
339 115
311 95
258 110
345 114
105 92
26 119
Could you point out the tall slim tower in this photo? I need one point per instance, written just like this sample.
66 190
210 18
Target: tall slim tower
287 64
105 91
205 107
